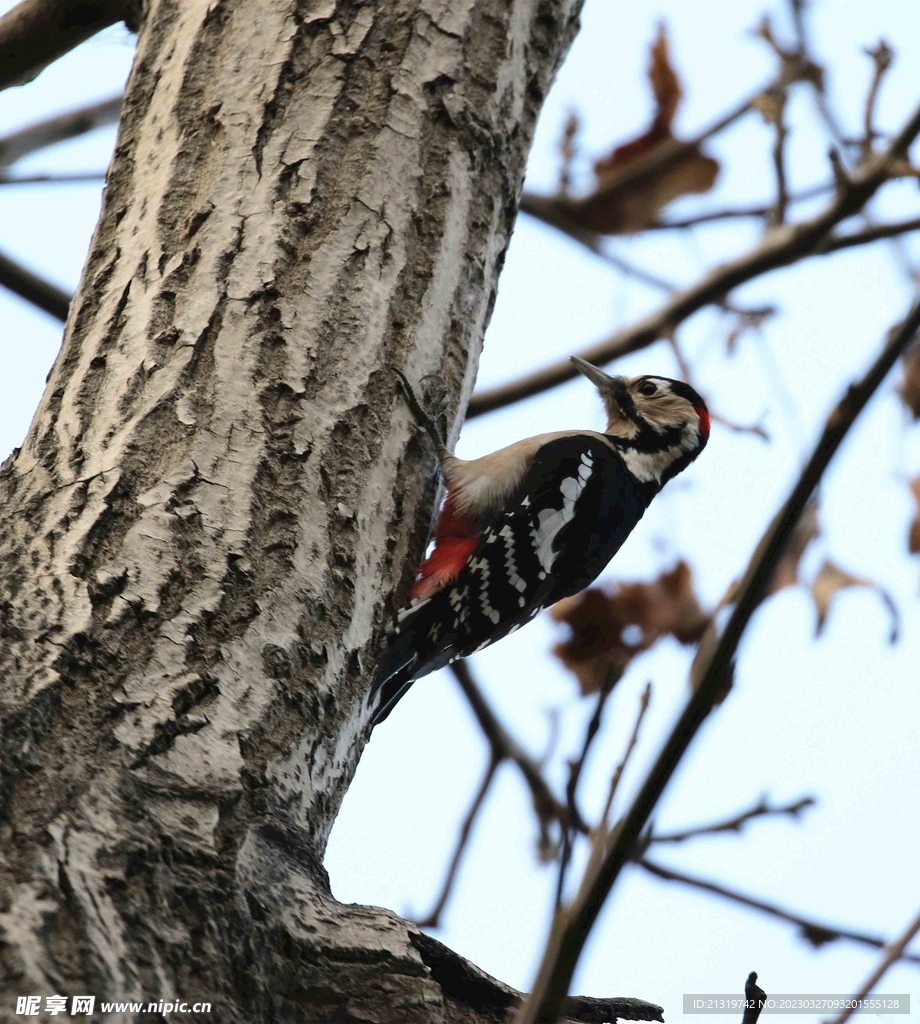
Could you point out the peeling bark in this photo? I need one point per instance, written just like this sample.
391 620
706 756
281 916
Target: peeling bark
221 488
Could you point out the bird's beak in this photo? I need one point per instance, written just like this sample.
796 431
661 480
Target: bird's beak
607 385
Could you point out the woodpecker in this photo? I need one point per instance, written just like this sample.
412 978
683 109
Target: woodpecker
535 522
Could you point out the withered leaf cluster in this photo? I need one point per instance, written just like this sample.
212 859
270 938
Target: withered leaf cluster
614 210
597 651
610 627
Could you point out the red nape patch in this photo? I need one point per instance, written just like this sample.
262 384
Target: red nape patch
705 422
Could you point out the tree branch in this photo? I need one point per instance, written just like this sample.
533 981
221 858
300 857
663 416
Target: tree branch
433 919
672 151
778 249
892 953
816 932
68 178
736 824
56 129
760 211
870 234
504 746
36 32
33 288
575 769
546 999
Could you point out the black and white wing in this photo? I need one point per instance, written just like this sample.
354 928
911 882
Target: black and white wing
574 509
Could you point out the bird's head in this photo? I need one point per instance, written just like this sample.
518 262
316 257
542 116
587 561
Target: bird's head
659 425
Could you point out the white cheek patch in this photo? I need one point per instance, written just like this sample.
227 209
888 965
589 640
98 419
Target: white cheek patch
648 466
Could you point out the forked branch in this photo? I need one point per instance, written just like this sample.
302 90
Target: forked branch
565 947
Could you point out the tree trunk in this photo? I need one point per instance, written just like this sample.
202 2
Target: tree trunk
221 489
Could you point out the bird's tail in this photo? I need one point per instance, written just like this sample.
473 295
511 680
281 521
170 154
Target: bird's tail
413 651
394 676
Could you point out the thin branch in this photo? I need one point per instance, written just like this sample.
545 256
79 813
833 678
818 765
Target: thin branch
67 178
892 953
871 234
899 251
882 57
779 248
759 211
434 918
672 151
754 999
33 288
621 767
779 162
56 129
504 746
36 32
556 971
549 212
805 53
736 824
575 770
816 932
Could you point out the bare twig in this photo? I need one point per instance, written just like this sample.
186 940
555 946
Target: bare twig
504 746
816 932
36 32
754 999
565 948
33 288
899 251
778 249
892 953
434 917
736 824
672 151
549 212
733 213
575 769
621 767
882 57
67 178
567 150
871 234
806 54
599 839
56 129
779 161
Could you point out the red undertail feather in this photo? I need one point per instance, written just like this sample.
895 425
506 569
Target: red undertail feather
454 542
704 420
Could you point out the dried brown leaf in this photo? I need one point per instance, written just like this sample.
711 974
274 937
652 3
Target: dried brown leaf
595 651
913 539
910 386
624 211
629 210
667 92
831 579
596 647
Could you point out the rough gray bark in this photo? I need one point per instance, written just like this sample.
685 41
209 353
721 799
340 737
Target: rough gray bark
220 488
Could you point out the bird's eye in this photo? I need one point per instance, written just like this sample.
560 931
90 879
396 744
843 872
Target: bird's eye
647 388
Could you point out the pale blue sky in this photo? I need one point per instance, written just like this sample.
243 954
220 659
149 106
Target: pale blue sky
837 717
